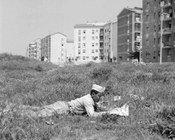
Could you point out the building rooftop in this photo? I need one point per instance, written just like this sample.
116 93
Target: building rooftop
96 24
58 33
135 9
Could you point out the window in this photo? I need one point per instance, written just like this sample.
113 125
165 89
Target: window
159 27
154 57
147 17
147 28
158 53
79 51
96 44
128 31
84 57
79 38
84 31
79 45
92 44
159 14
79 32
84 44
96 37
155 28
96 50
158 41
154 40
84 50
84 38
92 37
147 6
92 51
147 42
97 30
154 15
92 31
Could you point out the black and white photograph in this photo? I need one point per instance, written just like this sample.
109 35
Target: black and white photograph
87 69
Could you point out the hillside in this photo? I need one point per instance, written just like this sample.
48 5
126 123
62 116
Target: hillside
31 82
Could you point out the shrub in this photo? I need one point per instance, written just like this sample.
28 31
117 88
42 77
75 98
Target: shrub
39 68
165 122
101 73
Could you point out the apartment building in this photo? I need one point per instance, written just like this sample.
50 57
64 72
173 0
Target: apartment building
159 30
129 33
114 41
34 49
110 41
70 51
89 42
107 42
53 48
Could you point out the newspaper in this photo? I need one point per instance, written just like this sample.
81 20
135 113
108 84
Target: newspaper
122 111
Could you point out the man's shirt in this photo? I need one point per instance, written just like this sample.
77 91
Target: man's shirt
84 105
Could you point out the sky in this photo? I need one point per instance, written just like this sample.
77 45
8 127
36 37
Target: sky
23 21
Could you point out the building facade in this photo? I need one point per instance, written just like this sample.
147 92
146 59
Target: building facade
34 50
53 48
107 42
158 31
114 41
129 33
110 42
89 42
70 53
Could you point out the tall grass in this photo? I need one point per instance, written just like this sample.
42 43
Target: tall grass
30 82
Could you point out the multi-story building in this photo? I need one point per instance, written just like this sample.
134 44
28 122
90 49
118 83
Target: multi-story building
53 48
89 42
110 41
34 50
70 51
114 41
129 33
107 42
159 30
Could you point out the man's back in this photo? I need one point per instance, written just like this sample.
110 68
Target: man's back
78 106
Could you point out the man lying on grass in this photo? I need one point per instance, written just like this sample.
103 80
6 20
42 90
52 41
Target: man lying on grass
80 106
86 105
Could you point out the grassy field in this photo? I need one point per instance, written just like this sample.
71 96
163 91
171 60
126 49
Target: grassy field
30 82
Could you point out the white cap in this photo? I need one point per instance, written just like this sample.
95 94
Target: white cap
98 88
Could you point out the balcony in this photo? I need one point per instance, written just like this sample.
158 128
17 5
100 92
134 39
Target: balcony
138 20
137 29
101 33
138 39
167 17
167 43
166 31
101 47
166 3
101 39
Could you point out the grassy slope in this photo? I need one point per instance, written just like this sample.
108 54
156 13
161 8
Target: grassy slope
30 82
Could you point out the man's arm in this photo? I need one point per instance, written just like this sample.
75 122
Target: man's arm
91 112
100 107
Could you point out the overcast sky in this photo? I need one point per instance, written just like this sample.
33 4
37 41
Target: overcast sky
23 21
